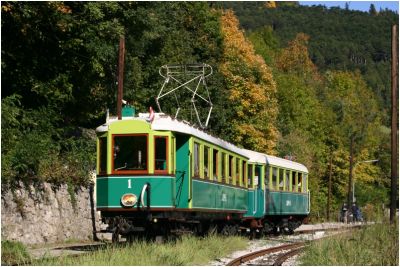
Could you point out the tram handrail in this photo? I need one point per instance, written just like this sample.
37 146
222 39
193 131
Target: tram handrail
144 189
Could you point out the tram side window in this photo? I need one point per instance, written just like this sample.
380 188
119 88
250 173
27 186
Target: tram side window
299 182
223 164
294 184
287 180
244 174
238 171
257 176
266 178
173 148
305 183
161 153
230 169
196 160
103 155
250 176
206 162
130 153
215 164
274 178
281 177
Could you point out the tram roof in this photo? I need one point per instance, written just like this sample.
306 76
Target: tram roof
280 162
255 157
261 158
168 124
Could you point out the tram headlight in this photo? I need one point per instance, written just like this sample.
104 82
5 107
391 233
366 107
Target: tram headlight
128 200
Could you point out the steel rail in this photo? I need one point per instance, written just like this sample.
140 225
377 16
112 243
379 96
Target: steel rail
284 257
295 248
256 254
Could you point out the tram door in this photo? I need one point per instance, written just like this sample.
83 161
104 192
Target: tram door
182 175
258 194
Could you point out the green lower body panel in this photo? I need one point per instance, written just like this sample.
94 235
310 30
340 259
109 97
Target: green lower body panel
256 203
287 203
214 196
109 190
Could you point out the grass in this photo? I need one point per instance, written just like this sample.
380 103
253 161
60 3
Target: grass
187 251
374 245
14 253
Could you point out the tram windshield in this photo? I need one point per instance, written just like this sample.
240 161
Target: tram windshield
130 153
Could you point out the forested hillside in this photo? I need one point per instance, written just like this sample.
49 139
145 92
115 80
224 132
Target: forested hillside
340 39
294 81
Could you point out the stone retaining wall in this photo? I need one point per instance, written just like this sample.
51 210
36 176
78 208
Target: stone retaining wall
48 215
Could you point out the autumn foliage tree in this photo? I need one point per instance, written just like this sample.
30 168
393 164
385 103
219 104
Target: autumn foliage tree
295 58
251 90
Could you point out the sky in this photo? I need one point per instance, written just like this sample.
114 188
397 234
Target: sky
356 5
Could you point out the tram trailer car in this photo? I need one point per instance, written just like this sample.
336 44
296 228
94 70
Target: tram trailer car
164 176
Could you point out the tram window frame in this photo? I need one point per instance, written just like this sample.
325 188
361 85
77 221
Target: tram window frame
223 167
281 179
165 170
231 171
305 177
250 175
294 181
103 152
257 173
266 177
275 179
196 160
116 150
244 169
300 182
173 149
206 162
215 168
237 171
287 180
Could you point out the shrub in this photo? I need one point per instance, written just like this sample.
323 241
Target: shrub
188 250
14 253
38 147
373 245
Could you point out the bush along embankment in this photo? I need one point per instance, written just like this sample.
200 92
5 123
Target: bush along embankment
188 250
376 244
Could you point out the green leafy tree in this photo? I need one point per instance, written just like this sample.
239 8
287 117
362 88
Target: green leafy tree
251 85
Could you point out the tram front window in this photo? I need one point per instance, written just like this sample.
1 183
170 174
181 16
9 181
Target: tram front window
130 153
161 153
103 155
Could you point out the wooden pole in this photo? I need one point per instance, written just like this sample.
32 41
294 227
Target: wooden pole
349 197
394 167
120 76
328 209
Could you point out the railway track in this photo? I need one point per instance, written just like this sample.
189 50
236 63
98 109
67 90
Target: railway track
276 256
81 249
251 256
285 256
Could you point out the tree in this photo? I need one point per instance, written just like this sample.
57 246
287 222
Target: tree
356 113
295 58
251 90
372 10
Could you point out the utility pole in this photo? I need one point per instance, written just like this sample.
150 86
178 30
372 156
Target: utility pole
121 62
329 189
394 167
349 196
